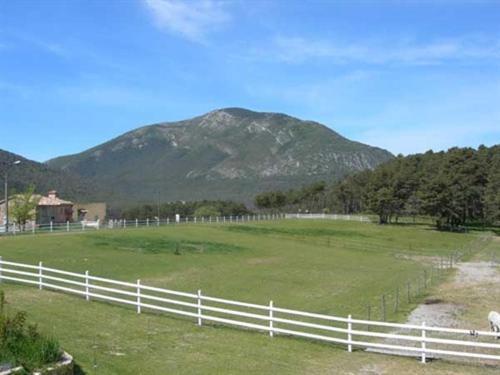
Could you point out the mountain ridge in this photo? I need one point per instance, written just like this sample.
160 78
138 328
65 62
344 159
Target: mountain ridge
233 152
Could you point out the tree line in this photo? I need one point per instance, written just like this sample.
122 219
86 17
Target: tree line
204 208
457 187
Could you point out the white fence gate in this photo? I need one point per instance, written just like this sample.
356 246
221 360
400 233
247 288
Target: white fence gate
419 340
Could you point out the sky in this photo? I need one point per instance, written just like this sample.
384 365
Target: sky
407 76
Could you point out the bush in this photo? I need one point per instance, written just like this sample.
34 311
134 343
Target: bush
21 344
207 211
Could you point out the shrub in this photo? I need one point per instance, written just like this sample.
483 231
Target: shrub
206 211
21 344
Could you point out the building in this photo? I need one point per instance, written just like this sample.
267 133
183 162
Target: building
53 209
89 211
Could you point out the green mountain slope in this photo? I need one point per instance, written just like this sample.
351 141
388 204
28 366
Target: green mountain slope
230 153
43 177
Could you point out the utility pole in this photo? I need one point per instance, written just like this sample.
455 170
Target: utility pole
6 193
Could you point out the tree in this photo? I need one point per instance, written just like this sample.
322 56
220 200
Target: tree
457 187
413 206
24 206
492 193
205 211
271 199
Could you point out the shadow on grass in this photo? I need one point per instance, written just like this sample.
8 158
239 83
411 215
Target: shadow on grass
77 370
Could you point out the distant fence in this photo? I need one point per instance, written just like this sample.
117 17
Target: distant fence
419 340
123 223
328 217
32 228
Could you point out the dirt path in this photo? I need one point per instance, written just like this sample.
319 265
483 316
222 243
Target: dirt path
463 302
479 276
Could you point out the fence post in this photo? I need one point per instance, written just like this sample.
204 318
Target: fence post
147 222
383 308
138 296
408 293
271 333
136 223
396 305
199 307
87 297
349 334
158 222
168 220
423 343
67 226
51 226
33 227
369 310
40 275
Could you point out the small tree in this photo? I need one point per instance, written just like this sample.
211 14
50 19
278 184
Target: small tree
206 211
24 206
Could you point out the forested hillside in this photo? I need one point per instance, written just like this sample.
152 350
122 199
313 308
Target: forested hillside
456 187
43 178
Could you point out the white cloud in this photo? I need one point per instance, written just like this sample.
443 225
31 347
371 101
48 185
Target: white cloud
397 51
191 19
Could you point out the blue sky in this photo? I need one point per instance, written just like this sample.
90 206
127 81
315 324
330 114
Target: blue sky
404 75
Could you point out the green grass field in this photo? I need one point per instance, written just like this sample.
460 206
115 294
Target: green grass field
330 267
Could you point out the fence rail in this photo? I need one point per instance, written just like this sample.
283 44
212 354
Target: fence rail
268 318
328 216
52 227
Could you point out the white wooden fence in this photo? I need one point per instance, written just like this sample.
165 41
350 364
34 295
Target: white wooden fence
82 226
418 340
328 217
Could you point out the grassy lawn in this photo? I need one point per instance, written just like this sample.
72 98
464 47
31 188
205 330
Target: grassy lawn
320 266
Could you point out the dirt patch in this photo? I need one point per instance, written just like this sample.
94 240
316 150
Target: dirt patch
372 369
258 261
475 273
418 258
475 277
436 314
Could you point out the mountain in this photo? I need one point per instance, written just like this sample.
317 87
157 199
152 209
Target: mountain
230 153
42 176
